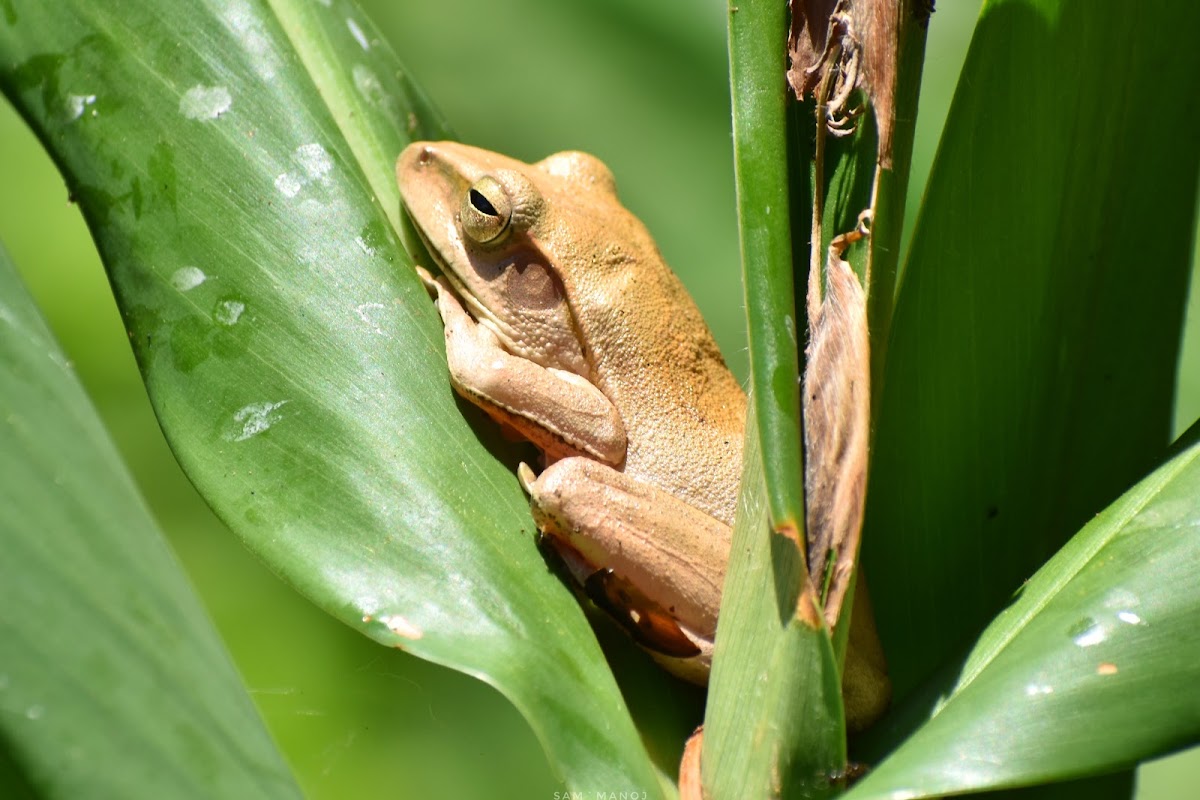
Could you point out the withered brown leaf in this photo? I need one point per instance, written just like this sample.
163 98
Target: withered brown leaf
837 419
833 34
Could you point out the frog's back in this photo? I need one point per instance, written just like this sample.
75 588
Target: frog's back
655 359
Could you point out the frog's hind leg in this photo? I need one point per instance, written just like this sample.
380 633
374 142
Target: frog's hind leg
648 558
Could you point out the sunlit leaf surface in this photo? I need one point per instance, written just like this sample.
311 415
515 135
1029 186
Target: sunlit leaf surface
240 196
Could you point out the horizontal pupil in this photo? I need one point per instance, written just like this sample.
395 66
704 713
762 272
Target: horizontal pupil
481 204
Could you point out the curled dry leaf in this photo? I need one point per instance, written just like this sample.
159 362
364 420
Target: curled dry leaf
837 409
855 43
808 42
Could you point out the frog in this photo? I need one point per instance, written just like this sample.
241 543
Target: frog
564 324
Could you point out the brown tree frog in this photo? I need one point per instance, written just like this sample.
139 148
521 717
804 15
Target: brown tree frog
563 322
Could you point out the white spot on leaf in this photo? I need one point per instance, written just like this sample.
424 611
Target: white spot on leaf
186 278
288 184
1093 635
77 103
205 102
246 23
313 158
366 311
366 81
358 34
362 245
228 312
253 419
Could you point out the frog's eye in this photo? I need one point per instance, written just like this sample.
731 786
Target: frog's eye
486 211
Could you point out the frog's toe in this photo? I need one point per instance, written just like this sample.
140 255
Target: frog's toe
427 279
526 477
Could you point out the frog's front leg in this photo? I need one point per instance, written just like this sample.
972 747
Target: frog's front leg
654 562
558 411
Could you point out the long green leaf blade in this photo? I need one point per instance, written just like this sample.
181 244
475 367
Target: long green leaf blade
1094 668
113 682
757 49
1033 352
769 621
294 361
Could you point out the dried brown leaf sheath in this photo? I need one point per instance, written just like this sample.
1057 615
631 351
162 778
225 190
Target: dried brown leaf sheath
860 39
837 407
807 42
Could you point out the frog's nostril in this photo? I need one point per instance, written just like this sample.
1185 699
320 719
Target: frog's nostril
425 156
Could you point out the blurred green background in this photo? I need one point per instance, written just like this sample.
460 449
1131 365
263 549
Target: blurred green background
642 85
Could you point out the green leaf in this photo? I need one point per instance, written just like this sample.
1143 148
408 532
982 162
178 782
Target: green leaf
757 38
242 203
1032 360
113 682
376 105
890 193
753 737
774 724
1093 668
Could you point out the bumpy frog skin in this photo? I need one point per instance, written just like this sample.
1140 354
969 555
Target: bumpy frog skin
563 322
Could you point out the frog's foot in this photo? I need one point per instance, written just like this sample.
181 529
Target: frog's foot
430 283
561 413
